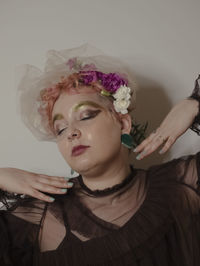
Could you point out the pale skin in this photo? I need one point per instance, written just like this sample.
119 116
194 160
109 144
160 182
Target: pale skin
178 120
105 163
24 182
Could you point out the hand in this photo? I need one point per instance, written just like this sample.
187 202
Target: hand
178 120
32 184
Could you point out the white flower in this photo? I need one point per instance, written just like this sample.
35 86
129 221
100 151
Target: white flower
122 96
121 105
123 92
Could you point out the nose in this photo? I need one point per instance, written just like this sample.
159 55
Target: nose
74 133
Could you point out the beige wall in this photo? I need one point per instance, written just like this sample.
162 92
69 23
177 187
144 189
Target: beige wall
158 38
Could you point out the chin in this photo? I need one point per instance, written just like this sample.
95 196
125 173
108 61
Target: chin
81 165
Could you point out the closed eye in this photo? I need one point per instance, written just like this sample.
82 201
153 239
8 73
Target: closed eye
60 131
87 117
91 114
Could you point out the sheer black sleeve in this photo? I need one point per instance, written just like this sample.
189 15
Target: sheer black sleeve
196 95
20 224
188 171
10 200
185 170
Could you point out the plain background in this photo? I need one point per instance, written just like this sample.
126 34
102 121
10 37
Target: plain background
159 39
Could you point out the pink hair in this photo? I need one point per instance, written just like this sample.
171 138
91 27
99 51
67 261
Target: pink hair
72 84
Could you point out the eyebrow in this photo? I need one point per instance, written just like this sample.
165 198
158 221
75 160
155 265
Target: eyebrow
90 103
77 107
57 117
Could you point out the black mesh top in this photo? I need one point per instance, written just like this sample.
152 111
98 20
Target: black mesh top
152 218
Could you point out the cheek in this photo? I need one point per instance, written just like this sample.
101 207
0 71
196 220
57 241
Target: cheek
103 137
105 134
62 147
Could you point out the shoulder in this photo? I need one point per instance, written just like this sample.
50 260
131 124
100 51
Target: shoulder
20 211
178 179
184 169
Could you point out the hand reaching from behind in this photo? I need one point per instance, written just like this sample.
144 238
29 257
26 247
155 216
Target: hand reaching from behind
178 120
23 182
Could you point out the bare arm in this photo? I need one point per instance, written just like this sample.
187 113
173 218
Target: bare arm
23 182
178 120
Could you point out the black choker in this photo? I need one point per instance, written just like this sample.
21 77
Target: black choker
109 190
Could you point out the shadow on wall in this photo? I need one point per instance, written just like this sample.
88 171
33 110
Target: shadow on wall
152 105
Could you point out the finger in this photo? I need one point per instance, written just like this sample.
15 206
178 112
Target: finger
141 146
150 148
56 178
49 189
40 175
38 195
56 183
167 145
144 143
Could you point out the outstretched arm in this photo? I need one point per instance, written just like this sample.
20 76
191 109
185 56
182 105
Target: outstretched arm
178 120
23 182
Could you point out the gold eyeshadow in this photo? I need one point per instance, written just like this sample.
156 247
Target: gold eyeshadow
58 117
90 115
77 107
86 103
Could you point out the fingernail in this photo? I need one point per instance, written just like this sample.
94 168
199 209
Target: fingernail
66 178
51 199
135 150
64 190
161 151
138 157
70 184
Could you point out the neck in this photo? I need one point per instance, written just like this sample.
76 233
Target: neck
108 175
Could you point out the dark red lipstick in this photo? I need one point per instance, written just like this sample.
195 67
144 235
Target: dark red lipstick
77 150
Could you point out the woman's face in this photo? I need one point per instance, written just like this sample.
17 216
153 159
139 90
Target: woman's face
83 119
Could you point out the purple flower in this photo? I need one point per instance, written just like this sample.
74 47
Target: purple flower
89 76
112 82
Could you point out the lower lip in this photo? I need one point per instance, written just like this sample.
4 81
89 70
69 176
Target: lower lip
79 151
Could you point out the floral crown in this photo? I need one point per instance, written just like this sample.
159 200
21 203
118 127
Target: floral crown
114 85
68 70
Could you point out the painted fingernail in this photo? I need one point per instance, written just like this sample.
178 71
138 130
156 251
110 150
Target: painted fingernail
161 151
64 190
51 199
70 184
138 157
66 178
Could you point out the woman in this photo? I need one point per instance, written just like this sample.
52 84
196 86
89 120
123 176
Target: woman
113 214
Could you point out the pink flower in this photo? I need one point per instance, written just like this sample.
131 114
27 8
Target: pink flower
72 62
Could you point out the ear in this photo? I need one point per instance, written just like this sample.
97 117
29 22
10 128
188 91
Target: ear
126 123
